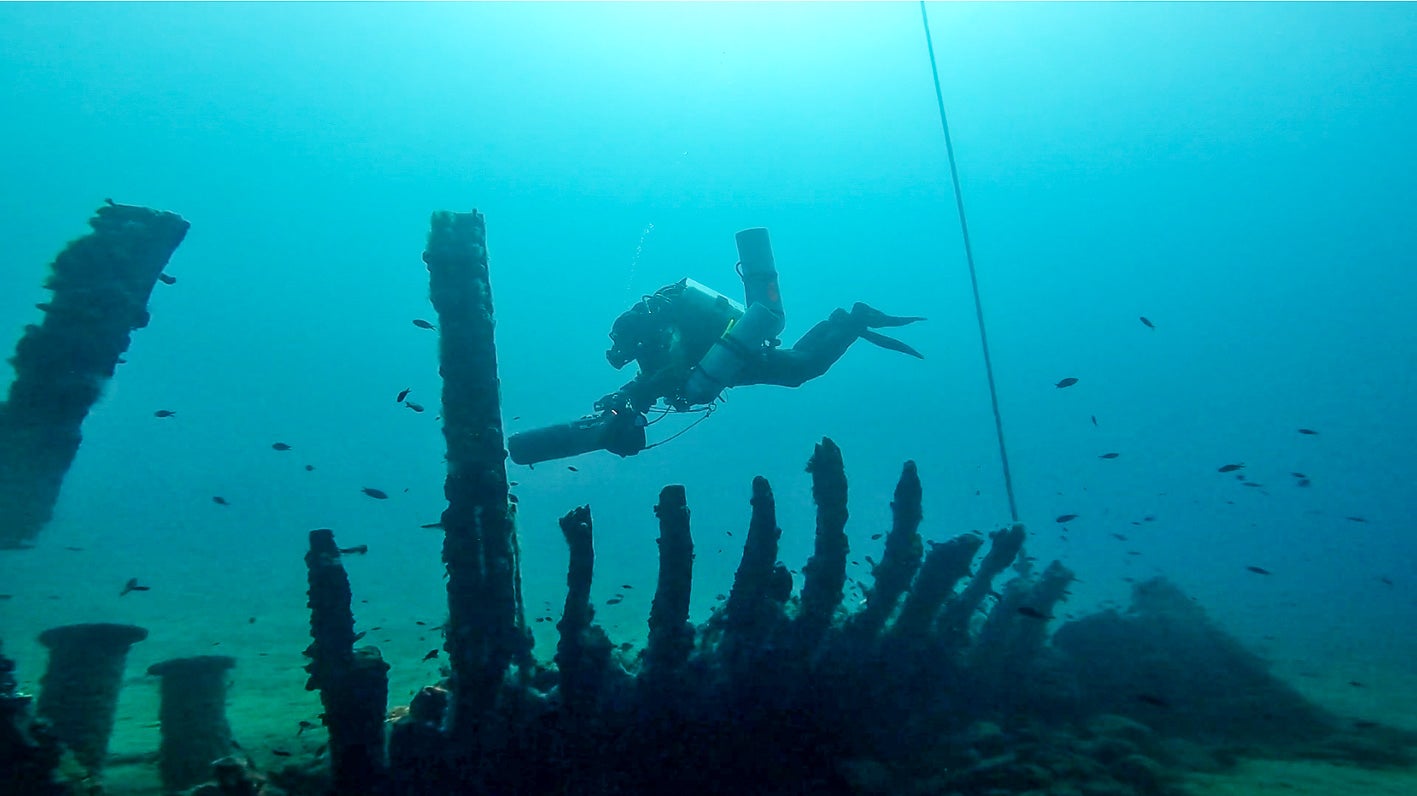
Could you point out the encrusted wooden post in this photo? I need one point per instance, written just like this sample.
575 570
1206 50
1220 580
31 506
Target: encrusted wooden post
353 684
101 283
486 625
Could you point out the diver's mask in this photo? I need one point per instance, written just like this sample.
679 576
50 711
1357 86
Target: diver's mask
636 333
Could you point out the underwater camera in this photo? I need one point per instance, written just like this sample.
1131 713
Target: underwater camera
620 431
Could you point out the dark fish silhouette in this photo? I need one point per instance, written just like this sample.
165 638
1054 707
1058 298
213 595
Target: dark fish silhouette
433 653
1230 468
167 280
280 446
422 324
1153 700
164 413
220 501
875 536
377 494
1065 518
1308 431
572 468
1032 613
132 585
1355 519
614 601
1302 482
403 394
1068 382
1094 420
305 725
357 550
280 753
432 525
309 468
1259 570
415 407
1109 455
1147 323
1299 475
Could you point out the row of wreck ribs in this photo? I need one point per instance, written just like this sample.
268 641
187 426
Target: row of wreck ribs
926 686
774 693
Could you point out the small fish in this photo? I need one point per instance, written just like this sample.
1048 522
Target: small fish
1153 700
357 550
1068 382
132 585
1230 468
614 600
1308 431
1149 518
1299 475
164 413
433 653
432 525
1119 537
875 536
309 468
572 468
220 501
422 324
1109 455
403 394
1065 518
1356 684
280 753
280 446
1259 570
167 280
1094 419
626 586
1147 323
414 406
377 494
1355 519
1252 484
305 725
512 483
1032 613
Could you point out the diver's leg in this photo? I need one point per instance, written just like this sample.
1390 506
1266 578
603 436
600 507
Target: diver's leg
823 345
809 357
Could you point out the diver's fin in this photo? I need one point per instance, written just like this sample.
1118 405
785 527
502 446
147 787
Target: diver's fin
875 319
893 344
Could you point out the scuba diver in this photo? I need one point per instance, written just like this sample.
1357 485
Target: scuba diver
691 343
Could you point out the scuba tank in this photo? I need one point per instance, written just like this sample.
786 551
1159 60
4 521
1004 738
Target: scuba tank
760 324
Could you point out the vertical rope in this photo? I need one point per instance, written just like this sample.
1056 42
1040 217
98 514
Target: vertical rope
973 277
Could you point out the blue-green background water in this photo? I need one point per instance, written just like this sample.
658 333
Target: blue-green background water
1240 174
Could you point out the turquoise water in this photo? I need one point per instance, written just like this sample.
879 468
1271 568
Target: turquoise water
1241 175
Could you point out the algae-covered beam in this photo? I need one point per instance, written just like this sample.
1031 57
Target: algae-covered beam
945 565
353 684
583 651
752 609
1004 547
901 558
101 284
671 637
824 576
486 626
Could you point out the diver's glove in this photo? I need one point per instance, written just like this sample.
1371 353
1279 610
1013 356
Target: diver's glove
613 402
